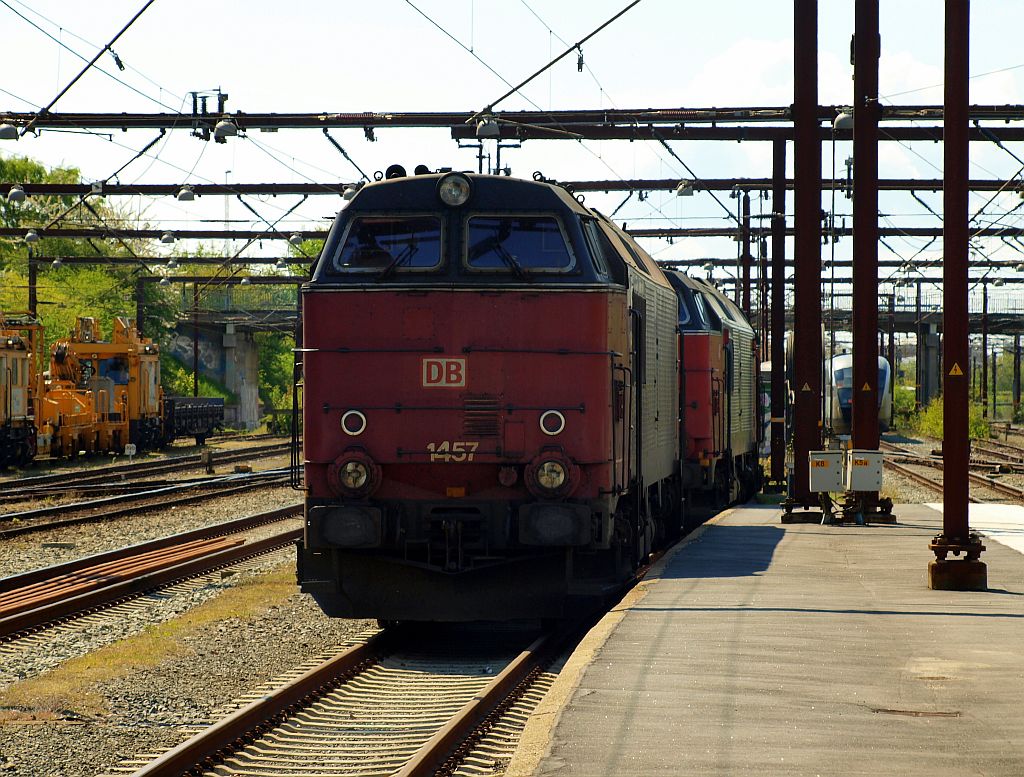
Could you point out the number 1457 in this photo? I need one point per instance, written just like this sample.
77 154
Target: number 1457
452 451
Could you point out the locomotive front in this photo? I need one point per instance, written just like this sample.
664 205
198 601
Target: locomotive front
465 395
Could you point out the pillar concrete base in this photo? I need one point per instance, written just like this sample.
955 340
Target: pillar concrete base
958 575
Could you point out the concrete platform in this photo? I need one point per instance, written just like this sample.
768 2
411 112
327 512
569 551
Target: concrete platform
762 649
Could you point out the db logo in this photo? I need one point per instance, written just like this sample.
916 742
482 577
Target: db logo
444 373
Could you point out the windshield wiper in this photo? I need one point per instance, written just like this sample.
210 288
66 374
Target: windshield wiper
495 244
512 262
406 254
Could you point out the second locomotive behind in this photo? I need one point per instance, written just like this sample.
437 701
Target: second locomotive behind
492 416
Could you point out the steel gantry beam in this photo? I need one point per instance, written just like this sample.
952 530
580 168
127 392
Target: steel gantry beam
319 234
629 184
751 123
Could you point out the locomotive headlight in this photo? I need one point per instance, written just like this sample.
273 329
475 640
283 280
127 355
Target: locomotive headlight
454 189
551 475
353 475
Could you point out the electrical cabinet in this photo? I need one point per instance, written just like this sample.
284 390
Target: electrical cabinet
826 470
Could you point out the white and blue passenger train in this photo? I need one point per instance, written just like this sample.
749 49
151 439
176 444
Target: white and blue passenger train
839 376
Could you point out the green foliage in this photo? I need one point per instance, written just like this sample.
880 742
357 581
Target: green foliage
276 363
306 252
929 421
904 406
103 291
177 381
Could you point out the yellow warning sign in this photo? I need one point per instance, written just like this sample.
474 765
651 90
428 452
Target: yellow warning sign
806 387
866 387
956 370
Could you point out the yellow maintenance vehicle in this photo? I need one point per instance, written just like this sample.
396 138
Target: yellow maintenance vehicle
116 382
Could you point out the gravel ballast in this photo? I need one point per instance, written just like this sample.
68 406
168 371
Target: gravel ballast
160 707
54 546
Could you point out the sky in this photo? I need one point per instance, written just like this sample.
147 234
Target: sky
402 56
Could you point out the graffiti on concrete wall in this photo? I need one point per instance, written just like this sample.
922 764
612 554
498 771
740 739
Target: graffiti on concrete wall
211 355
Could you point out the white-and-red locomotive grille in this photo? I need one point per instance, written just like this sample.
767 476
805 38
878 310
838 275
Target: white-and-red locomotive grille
445 391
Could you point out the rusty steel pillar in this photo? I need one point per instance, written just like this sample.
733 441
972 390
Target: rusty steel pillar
892 338
778 321
747 258
995 383
33 280
1016 376
919 393
970 573
195 339
984 350
866 52
808 357
762 293
140 304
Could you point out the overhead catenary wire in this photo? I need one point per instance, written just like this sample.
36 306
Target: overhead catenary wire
569 50
65 31
107 73
89 64
476 56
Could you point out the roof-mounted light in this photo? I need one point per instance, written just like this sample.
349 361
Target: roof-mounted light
225 128
844 119
487 127
454 189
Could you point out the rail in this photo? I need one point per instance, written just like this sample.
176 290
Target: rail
34 599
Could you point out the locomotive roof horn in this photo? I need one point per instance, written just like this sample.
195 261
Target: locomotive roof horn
395 171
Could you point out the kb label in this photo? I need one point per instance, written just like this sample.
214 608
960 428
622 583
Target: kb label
444 373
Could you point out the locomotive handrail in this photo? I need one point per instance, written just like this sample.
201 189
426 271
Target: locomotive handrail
343 349
398 407
552 351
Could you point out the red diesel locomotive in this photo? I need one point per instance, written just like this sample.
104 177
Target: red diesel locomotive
491 392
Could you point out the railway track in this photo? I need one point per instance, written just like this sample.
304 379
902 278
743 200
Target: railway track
32 600
1005 450
935 462
133 503
68 481
404 702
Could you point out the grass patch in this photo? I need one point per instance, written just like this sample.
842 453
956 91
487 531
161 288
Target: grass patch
70 689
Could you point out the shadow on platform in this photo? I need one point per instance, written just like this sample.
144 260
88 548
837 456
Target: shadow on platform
726 551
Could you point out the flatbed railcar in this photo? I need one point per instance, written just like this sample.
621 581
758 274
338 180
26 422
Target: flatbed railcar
491 394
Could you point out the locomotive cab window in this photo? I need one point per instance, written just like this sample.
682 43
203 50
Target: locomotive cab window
385 243
517 244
